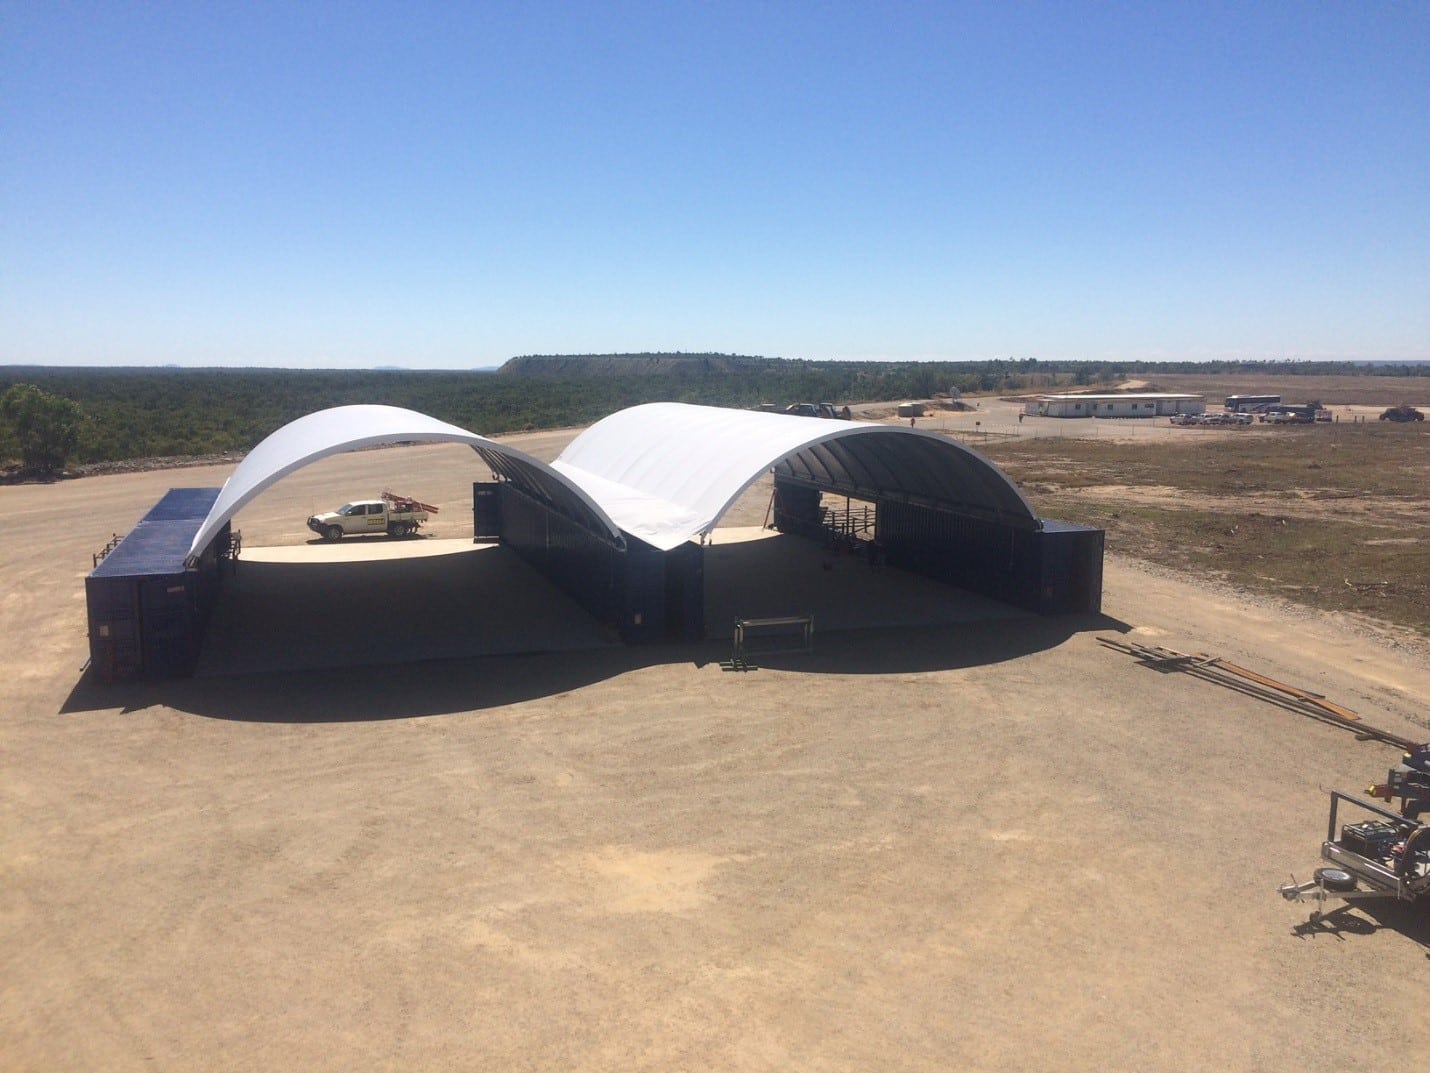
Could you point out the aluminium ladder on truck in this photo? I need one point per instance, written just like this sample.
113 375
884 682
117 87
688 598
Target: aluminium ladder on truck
405 504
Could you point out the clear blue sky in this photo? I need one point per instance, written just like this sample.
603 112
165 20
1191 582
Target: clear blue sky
448 185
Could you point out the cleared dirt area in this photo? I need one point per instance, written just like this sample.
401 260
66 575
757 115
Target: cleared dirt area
986 845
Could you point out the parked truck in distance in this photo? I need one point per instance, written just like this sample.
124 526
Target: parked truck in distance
1404 412
394 515
817 409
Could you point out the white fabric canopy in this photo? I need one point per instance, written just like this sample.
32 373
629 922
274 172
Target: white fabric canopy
664 472
330 432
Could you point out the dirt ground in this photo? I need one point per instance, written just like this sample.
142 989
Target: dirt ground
986 845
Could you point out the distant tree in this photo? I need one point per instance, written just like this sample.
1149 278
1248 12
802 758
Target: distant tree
43 427
926 382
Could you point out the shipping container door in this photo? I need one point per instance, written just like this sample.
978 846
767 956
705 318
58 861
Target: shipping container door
643 619
169 626
114 644
486 513
685 593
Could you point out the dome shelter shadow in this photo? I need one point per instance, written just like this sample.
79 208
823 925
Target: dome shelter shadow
360 630
449 686
368 603
909 650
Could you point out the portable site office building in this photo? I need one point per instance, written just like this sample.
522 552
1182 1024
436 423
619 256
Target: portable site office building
1147 404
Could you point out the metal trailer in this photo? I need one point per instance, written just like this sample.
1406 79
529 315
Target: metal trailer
1384 857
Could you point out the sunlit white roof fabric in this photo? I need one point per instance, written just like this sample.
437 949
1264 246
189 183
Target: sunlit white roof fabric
665 472
348 428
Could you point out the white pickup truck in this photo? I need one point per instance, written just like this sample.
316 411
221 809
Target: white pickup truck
395 515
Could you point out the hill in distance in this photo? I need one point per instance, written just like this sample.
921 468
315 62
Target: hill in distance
576 366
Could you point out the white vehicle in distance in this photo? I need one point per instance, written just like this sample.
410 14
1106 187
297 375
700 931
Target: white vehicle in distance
393 515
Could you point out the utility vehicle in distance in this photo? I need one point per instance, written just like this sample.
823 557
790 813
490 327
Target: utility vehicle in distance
395 515
1402 413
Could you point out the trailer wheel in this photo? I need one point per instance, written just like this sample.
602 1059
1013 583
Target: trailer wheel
333 532
1336 880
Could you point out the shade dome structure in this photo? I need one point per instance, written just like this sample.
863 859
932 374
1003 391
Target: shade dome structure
663 472
666 472
350 428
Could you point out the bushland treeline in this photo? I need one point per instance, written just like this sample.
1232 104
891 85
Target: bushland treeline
163 412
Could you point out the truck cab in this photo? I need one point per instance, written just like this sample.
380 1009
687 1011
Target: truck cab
367 516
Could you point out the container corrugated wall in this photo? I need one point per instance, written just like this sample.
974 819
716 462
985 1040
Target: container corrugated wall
685 593
115 650
1071 568
972 553
1055 570
642 615
649 595
147 607
577 561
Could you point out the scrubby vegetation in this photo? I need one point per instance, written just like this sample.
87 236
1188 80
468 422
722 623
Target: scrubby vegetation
1333 517
151 412
41 428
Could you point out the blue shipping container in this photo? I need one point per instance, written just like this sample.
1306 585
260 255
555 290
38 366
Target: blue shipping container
147 607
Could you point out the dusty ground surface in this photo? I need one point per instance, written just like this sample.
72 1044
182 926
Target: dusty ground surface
989 845
1335 516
